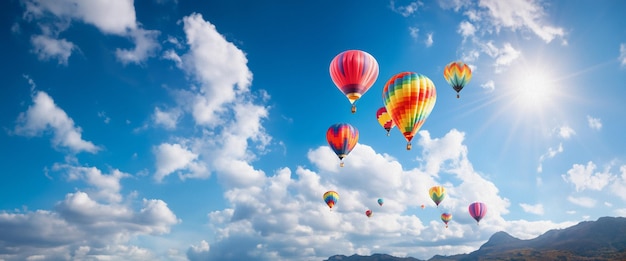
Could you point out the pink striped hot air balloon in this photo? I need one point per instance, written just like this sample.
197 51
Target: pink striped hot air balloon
354 72
477 210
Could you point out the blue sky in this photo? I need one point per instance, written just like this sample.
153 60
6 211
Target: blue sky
195 130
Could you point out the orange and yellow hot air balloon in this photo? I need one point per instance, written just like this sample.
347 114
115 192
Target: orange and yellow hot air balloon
446 217
409 98
354 72
457 74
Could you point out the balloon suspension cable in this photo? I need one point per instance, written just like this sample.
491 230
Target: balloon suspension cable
353 108
408 146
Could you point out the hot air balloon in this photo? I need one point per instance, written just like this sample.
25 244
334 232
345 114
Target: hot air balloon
437 194
380 201
331 198
409 98
478 210
423 206
446 217
342 138
368 213
354 72
384 119
457 74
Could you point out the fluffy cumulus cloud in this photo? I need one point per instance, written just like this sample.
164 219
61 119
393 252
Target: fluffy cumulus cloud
585 177
282 217
44 116
536 209
115 17
174 157
405 8
95 224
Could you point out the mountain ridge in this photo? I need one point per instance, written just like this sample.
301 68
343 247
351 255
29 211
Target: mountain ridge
603 239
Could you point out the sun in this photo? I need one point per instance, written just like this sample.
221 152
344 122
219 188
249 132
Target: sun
532 90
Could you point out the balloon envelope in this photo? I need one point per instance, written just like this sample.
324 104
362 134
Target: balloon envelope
457 74
342 138
384 119
354 72
409 98
446 217
477 210
437 194
331 198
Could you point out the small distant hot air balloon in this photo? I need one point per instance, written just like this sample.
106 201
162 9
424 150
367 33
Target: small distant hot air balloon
409 98
331 198
354 72
342 138
457 74
380 201
384 119
437 194
423 206
446 217
477 210
368 213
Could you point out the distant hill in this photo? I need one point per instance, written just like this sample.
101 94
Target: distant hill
374 257
604 239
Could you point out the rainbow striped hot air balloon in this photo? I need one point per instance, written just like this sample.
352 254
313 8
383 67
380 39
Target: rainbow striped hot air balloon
342 138
331 198
384 119
409 98
446 217
437 194
457 74
477 210
354 72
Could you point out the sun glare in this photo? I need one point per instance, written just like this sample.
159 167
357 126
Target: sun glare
532 90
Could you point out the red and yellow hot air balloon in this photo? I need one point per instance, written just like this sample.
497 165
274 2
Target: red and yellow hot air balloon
342 138
437 194
409 98
354 72
446 217
331 198
384 119
457 74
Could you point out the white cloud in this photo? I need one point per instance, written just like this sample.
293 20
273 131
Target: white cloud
565 132
585 177
466 29
43 116
551 153
103 115
489 85
429 40
282 216
217 65
582 201
503 56
520 14
414 32
174 157
48 48
82 227
622 54
536 209
618 187
167 119
594 123
115 17
406 10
